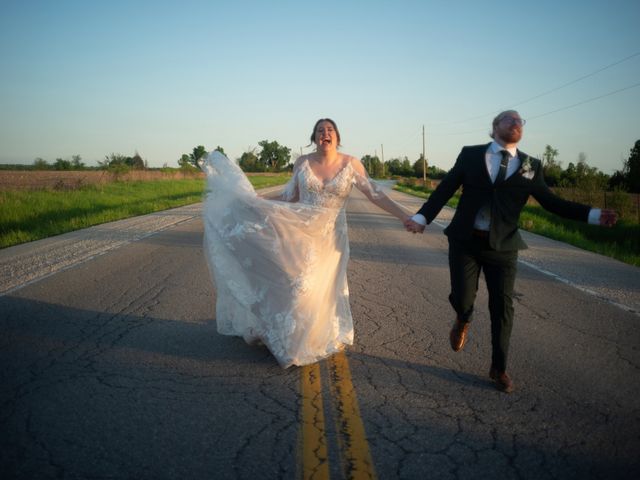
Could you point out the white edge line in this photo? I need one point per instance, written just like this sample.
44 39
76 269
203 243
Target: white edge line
557 277
578 287
87 259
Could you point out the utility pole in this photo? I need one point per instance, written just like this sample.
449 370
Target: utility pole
382 153
424 161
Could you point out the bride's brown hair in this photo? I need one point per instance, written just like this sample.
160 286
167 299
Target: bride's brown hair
335 127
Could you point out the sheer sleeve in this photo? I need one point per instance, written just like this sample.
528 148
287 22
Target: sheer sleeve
291 192
376 195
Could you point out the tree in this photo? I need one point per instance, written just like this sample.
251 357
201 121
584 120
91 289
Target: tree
273 156
435 172
219 149
549 155
617 181
399 166
189 161
589 178
76 162
114 161
394 167
552 173
406 168
40 164
551 168
418 168
248 162
135 162
197 154
632 169
184 161
569 176
372 165
61 164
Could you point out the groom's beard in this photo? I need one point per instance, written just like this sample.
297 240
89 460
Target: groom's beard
511 136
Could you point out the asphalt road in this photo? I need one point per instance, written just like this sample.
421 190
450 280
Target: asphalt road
112 368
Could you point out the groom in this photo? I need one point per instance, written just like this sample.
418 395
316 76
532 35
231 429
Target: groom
496 180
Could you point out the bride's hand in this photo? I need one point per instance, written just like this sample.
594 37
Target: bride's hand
412 226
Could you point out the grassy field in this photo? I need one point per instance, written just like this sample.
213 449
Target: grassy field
621 242
27 215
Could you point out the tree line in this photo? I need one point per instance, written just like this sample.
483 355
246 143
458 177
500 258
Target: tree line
273 157
112 161
580 175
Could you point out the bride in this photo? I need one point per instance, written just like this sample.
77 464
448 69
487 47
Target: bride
280 267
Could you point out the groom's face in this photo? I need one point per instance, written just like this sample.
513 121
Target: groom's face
509 128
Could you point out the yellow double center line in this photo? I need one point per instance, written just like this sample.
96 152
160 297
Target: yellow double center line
352 441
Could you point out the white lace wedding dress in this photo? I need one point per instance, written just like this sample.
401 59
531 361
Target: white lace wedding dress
280 268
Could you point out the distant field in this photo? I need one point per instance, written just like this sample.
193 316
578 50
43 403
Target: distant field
72 179
68 180
75 202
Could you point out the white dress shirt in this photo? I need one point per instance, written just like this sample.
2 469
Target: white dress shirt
492 158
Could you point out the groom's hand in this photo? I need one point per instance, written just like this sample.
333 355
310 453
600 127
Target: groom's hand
608 217
413 227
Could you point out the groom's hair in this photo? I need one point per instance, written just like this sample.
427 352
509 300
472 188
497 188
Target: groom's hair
335 127
499 118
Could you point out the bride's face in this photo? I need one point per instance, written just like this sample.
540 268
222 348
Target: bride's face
326 136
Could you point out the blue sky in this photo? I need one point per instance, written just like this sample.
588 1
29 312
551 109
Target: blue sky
159 77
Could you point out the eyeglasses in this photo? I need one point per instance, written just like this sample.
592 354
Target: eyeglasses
513 121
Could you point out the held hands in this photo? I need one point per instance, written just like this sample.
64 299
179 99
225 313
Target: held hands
608 217
412 226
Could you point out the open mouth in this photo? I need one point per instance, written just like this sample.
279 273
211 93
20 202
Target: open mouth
326 141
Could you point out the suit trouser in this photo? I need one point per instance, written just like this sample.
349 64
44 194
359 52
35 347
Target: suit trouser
466 261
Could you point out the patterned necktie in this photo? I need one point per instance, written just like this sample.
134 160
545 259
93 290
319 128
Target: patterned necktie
502 173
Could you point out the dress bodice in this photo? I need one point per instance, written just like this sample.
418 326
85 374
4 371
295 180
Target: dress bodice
313 191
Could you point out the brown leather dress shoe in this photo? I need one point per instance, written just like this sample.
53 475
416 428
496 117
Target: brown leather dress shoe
503 381
458 335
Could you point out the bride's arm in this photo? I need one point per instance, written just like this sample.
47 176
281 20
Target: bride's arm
375 194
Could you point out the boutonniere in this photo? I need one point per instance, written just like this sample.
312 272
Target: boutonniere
526 169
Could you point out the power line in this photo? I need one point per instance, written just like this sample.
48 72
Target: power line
561 108
555 89
576 80
586 101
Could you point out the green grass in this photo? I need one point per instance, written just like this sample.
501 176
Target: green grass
264 181
621 242
31 215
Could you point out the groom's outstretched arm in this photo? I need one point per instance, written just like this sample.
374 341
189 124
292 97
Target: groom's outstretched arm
445 190
440 196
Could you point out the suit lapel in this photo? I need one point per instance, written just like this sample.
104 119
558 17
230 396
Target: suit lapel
483 159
